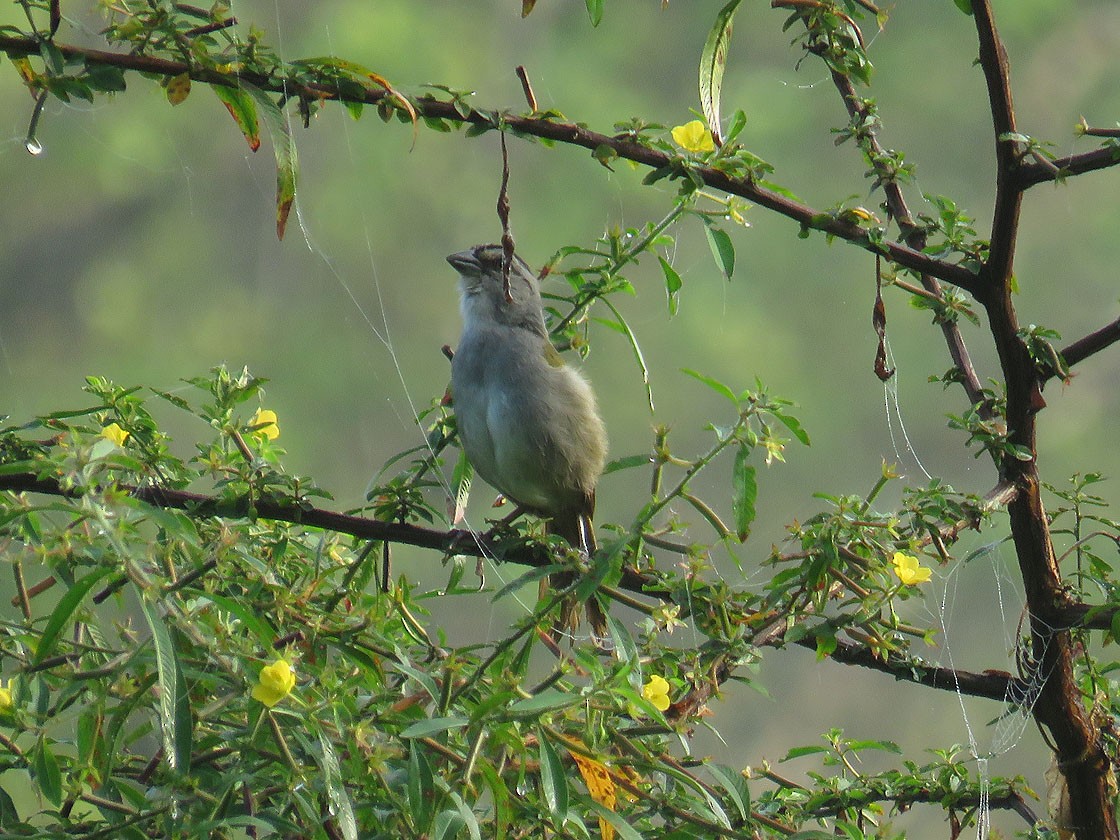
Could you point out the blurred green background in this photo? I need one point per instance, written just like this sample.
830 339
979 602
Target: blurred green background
141 246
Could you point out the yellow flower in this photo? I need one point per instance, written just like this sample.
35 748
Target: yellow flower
656 691
276 682
264 423
6 701
694 137
908 570
114 433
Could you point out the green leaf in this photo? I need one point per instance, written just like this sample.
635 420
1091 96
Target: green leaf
174 710
105 78
714 384
430 726
503 810
547 701
9 816
467 816
62 612
245 614
798 752
554 784
713 59
794 425
604 154
243 110
623 829
595 11
722 249
44 768
673 284
735 785
627 463
420 789
965 6
446 825
738 123
744 492
633 339
284 147
340 806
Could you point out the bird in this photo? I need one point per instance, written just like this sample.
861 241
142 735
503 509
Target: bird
528 423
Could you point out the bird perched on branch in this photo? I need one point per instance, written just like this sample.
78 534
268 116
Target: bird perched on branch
528 423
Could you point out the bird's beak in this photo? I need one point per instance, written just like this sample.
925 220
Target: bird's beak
465 262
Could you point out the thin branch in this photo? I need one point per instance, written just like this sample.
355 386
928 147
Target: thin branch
1029 174
569 133
915 237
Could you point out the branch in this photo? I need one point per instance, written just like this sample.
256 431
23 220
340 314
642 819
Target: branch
994 685
1029 174
915 237
1093 343
990 684
1005 219
543 127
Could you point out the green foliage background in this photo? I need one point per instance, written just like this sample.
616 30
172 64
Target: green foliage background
141 246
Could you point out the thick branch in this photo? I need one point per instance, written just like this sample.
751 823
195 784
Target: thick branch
560 132
1076 736
1005 220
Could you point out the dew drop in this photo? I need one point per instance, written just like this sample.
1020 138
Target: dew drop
34 146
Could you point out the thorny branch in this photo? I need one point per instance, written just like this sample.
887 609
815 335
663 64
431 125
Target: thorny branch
542 127
1076 737
993 685
915 237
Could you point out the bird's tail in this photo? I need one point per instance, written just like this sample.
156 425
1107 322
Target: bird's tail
579 533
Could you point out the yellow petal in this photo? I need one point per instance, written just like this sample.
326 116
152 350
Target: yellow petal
276 682
115 433
694 137
264 423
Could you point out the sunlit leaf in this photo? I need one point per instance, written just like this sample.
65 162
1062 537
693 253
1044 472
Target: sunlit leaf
243 110
285 149
713 59
178 88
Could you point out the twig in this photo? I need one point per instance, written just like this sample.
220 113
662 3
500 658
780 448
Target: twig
530 97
